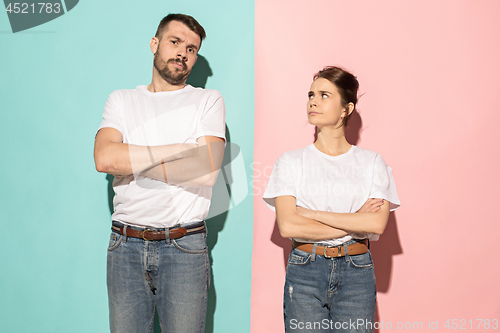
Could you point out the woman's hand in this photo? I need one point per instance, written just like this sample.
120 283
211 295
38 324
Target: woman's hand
372 217
371 206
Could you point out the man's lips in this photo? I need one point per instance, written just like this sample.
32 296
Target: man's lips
178 63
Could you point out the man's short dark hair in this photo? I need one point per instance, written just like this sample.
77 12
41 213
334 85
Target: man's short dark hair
189 21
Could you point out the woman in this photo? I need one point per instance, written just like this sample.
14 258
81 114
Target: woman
331 198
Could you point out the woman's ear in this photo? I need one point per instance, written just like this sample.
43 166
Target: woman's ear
350 108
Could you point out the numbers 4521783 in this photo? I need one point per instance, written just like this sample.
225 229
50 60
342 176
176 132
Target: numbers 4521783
462 324
33 8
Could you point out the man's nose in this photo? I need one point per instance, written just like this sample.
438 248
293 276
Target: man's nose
182 54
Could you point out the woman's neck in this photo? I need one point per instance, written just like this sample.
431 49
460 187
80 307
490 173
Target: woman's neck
332 141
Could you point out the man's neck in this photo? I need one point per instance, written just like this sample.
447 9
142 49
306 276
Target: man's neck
158 85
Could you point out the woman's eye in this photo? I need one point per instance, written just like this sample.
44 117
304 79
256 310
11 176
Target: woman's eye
311 96
324 95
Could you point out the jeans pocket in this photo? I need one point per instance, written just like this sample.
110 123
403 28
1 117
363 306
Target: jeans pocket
114 241
362 260
298 257
193 244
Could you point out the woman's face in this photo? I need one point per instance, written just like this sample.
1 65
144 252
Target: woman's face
324 107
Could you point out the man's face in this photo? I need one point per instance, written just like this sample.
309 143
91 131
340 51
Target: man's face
175 52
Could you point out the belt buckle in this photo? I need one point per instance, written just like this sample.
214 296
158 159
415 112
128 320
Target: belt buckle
339 251
144 234
324 252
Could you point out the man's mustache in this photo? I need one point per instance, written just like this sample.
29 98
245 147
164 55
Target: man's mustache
178 60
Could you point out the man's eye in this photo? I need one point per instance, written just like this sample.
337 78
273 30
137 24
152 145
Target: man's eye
191 50
174 42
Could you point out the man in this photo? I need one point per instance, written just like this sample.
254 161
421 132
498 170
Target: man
164 143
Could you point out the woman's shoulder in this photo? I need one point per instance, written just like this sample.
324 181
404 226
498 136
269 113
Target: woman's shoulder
295 154
367 154
364 152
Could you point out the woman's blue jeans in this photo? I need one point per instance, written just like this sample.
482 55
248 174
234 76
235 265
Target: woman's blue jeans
329 294
178 271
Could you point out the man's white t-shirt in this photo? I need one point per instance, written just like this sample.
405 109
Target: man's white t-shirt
339 184
153 119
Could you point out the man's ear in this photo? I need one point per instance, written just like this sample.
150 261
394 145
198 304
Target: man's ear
154 43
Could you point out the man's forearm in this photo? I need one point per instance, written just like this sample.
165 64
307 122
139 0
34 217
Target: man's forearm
125 159
200 169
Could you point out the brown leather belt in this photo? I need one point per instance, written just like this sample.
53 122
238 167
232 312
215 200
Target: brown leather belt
149 234
360 247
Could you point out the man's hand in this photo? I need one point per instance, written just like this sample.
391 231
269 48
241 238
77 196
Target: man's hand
199 168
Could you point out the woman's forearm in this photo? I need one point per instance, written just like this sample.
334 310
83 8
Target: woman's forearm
362 222
296 226
292 225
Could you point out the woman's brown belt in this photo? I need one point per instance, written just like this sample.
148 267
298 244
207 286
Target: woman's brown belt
360 247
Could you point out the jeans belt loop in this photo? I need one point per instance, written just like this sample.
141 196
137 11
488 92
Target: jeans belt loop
124 233
167 236
346 252
313 257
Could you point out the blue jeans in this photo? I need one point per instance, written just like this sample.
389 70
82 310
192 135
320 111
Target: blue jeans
178 271
329 294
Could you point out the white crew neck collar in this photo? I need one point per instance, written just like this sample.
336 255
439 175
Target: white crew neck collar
144 88
347 153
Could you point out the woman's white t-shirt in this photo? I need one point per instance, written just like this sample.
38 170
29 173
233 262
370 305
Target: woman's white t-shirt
340 184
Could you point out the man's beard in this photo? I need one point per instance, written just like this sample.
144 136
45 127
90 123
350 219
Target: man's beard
174 77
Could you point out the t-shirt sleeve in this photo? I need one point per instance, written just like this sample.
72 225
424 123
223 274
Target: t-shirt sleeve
280 183
213 118
111 116
383 185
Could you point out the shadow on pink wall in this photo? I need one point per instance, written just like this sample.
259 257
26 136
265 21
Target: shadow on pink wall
383 251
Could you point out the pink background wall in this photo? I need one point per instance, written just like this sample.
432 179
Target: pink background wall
430 74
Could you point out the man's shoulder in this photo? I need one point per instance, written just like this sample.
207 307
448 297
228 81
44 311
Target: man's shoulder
203 91
120 93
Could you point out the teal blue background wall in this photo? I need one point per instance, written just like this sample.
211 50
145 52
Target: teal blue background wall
54 213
